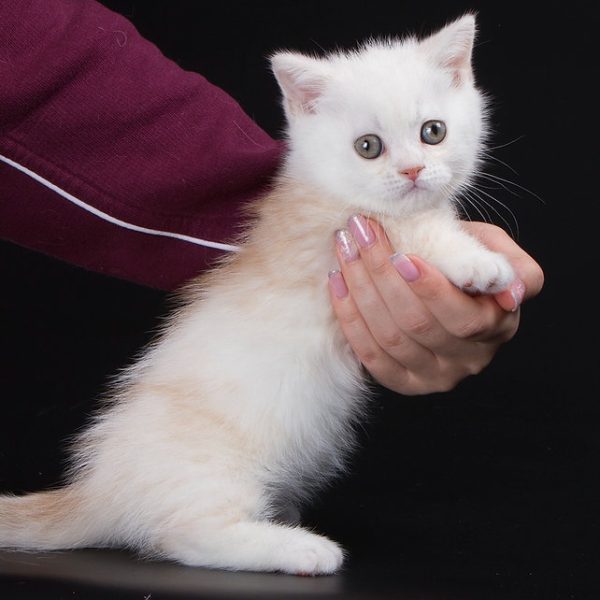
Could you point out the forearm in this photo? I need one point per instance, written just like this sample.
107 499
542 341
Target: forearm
112 157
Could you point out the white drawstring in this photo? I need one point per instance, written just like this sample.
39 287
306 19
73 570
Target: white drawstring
114 220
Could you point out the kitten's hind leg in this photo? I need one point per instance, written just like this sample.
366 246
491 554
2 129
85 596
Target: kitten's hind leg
252 546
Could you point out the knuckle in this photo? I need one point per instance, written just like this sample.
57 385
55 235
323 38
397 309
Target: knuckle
473 327
392 338
509 328
477 363
474 368
450 378
431 289
369 358
350 317
379 267
452 373
361 288
418 325
490 232
497 231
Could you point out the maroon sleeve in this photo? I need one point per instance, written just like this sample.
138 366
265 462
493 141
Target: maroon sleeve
111 156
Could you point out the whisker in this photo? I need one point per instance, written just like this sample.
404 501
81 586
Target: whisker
517 139
501 180
499 184
485 216
504 164
477 193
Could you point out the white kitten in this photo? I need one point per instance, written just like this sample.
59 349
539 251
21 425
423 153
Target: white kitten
246 404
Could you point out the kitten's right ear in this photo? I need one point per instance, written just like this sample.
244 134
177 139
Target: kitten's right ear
302 81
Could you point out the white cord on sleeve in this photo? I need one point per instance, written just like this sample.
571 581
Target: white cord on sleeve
106 217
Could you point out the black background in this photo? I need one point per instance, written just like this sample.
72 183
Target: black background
493 485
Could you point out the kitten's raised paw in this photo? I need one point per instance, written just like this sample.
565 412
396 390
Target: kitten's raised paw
311 554
482 273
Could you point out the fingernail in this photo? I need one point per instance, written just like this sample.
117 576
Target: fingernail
405 267
346 245
361 230
338 285
517 291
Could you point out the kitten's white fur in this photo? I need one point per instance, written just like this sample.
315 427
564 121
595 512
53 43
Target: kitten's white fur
246 404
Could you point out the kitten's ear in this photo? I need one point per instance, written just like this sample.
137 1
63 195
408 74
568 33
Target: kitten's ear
302 81
451 48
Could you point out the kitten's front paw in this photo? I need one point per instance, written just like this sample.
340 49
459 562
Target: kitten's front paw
311 554
481 273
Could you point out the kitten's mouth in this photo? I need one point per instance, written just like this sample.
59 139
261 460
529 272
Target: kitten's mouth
412 188
411 191
416 196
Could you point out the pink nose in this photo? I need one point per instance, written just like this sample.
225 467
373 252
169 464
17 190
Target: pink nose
412 173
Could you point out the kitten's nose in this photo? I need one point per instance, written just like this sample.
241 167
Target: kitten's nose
412 172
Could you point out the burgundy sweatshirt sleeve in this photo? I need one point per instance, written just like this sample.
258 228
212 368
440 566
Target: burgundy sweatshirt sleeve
111 156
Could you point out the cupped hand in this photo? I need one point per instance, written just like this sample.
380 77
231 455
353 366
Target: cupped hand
414 331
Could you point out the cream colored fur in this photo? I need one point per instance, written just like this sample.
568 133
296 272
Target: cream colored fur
246 404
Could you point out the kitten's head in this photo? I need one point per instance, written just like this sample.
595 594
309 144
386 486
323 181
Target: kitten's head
394 127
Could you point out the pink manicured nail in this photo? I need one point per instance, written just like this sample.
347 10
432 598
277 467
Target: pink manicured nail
517 291
338 285
361 230
405 267
346 245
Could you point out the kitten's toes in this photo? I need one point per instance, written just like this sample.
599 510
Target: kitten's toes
312 555
489 276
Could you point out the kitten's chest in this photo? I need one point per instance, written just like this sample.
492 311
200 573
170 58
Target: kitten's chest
418 234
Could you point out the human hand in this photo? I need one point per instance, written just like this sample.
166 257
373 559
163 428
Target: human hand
413 330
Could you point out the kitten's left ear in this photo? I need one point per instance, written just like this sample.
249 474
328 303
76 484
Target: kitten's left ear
451 48
302 81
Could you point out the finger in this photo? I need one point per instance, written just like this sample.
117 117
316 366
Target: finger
406 310
512 298
361 340
385 329
477 318
530 277
527 284
439 376
356 276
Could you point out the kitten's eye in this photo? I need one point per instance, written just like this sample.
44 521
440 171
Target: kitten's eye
369 146
433 132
